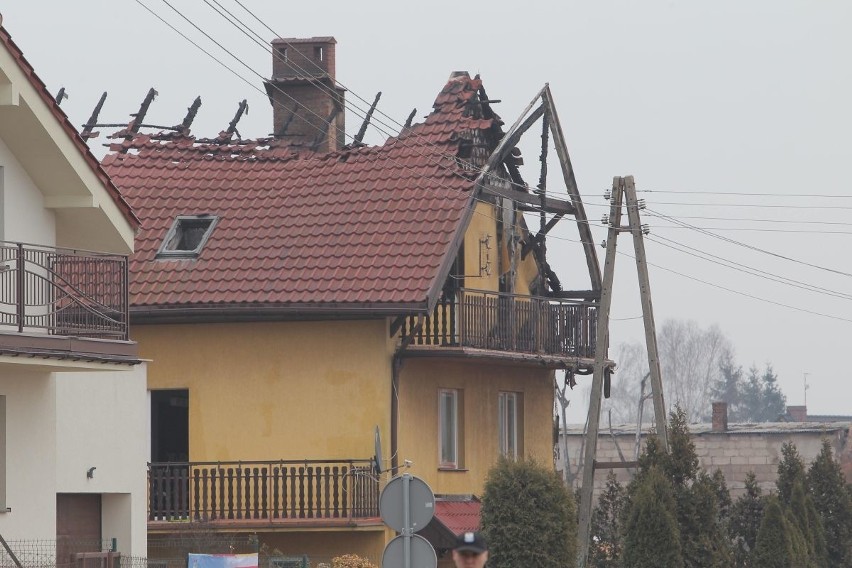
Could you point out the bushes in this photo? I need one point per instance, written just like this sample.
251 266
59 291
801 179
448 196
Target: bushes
528 517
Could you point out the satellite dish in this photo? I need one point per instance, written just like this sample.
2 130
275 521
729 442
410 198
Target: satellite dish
378 455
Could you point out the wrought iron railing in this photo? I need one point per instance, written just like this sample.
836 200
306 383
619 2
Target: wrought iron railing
508 322
267 490
63 292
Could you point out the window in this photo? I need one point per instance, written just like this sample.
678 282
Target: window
510 424
187 236
450 429
319 53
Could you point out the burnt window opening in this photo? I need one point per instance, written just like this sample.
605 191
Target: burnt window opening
187 236
282 54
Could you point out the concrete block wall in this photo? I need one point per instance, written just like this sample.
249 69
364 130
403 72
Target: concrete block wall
734 453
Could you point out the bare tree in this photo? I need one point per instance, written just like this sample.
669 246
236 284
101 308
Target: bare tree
689 362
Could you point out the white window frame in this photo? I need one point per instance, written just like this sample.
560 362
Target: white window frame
508 411
448 420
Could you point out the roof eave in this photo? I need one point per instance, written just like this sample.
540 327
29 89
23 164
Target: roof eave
211 313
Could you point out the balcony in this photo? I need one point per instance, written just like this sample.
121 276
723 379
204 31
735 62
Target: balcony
532 327
63 304
232 495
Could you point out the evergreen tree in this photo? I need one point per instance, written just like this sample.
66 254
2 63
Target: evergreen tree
723 497
729 387
762 399
790 469
651 535
818 532
811 529
833 505
746 515
773 548
606 547
706 544
681 463
528 516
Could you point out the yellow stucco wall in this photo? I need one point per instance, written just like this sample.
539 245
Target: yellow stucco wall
480 383
483 225
282 390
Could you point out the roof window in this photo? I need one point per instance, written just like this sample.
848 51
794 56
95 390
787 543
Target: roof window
187 236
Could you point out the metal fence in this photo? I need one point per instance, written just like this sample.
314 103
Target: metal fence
171 552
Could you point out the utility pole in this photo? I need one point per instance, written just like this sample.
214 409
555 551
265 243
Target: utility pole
623 191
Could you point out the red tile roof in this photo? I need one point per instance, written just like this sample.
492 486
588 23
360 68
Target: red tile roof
459 516
370 227
62 118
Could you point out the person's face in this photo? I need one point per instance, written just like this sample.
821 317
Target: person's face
469 559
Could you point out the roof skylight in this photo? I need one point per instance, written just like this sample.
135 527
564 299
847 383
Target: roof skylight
187 236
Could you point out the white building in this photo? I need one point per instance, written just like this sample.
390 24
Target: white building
73 403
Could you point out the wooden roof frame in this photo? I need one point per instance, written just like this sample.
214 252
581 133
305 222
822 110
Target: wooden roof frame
542 107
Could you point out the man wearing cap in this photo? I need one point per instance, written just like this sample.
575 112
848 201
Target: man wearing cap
470 551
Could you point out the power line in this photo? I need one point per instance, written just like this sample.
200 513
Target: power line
752 247
750 194
718 260
491 217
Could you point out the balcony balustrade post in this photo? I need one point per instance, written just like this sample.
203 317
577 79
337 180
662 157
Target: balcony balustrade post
19 304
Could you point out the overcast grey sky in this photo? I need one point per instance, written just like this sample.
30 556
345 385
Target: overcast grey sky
699 98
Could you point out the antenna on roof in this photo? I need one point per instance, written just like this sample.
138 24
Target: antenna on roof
357 141
93 120
61 96
139 117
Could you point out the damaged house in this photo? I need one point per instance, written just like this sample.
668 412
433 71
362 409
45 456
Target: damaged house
321 314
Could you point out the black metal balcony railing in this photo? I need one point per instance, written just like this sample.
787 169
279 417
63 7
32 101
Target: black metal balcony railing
508 322
63 292
268 490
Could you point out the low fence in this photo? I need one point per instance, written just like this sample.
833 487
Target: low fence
162 553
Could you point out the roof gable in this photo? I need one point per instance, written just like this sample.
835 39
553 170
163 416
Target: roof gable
367 229
57 159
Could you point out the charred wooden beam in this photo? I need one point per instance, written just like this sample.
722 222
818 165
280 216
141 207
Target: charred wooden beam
232 126
357 141
286 125
139 117
61 96
542 178
410 118
510 140
571 185
551 205
577 295
93 119
325 128
540 235
190 116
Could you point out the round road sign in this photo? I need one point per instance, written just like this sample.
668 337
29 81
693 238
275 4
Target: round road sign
421 503
422 553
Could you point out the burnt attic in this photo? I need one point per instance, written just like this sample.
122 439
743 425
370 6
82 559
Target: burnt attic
377 222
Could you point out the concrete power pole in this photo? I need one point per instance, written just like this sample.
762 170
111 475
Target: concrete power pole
623 192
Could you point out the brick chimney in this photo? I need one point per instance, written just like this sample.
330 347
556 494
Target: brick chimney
797 413
307 107
720 416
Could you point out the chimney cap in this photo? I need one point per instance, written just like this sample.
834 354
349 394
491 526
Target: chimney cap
320 39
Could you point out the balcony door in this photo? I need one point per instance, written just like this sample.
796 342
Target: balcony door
168 475
169 425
